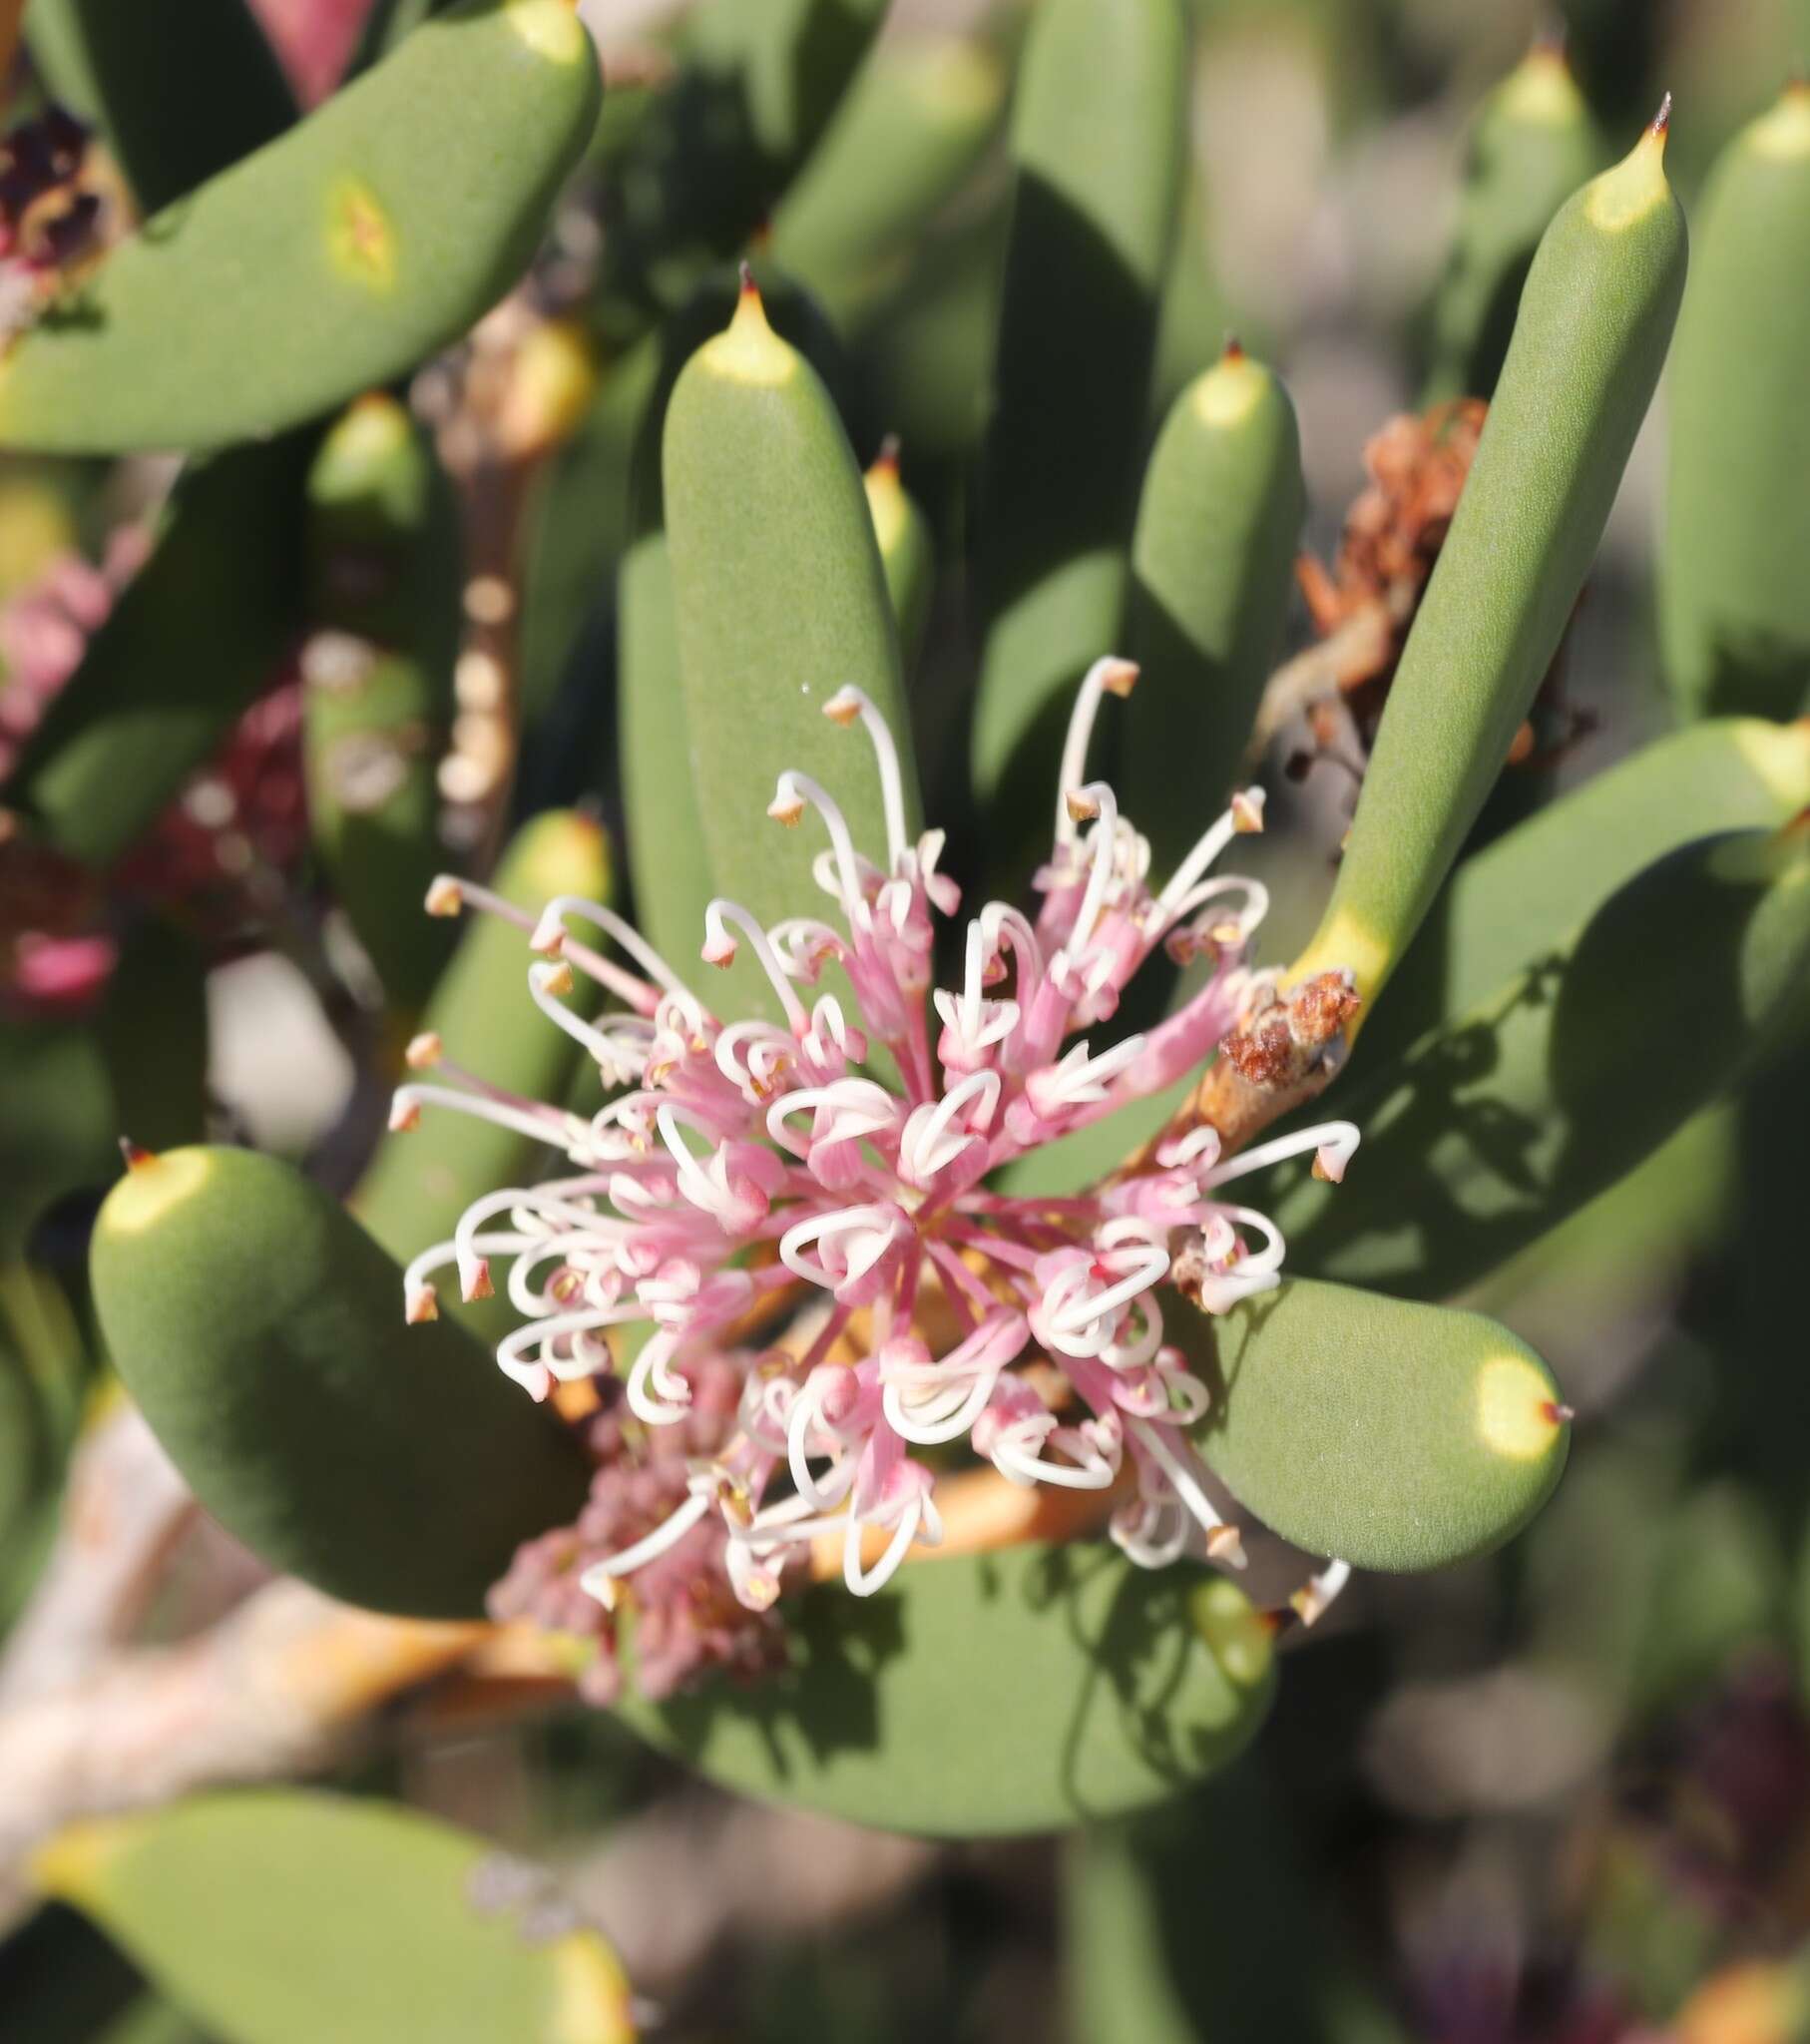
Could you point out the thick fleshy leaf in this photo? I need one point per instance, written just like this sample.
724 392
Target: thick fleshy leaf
261 1333
1524 896
905 138
1094 208
1491 1130
420 1181
758 81
56 1124
279 1918
151 1029
1734 601
1212 566
389 221
179 93
1532 142
780 601
1014 1692
1199 1921
1590 336
1395 1436
383 612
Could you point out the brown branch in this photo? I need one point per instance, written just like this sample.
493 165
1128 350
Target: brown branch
123 1508
276 1689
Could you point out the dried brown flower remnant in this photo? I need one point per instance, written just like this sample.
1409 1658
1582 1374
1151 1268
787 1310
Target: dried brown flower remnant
1395 528
1281 1039
1364 607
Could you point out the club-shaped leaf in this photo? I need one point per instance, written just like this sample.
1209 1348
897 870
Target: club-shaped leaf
1393 1436
151 1029
1200 1920
1012 1692
669 855
1532 142
907 554
56 1121
909 131
780 601
758 81
261 1333
387 221
1211 571
1096 144
420 1181
377 672
1734 603
1593 329
282 1917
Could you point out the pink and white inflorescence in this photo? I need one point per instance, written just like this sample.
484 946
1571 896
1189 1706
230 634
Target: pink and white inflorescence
745 1162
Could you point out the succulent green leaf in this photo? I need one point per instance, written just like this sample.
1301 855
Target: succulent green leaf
43 1387
670 860
909 131
377 676
152 1030
1096 144
907 555
56 1124
926 356
190 645
1199 1922
261 1333
179 93
386 221
1591 333
1194 316
1495 1127
420 1181
758 81
1533 142
1396 1436
1213 567
1522 896
1011 1691
283 1917
1734 603
577 523
780 601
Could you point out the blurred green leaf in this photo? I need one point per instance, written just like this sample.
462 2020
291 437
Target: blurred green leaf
290 1918
386 223
179 93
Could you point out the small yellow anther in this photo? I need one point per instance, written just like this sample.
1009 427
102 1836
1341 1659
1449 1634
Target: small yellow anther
1119 676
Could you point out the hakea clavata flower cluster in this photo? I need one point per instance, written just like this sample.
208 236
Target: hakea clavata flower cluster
746 1161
